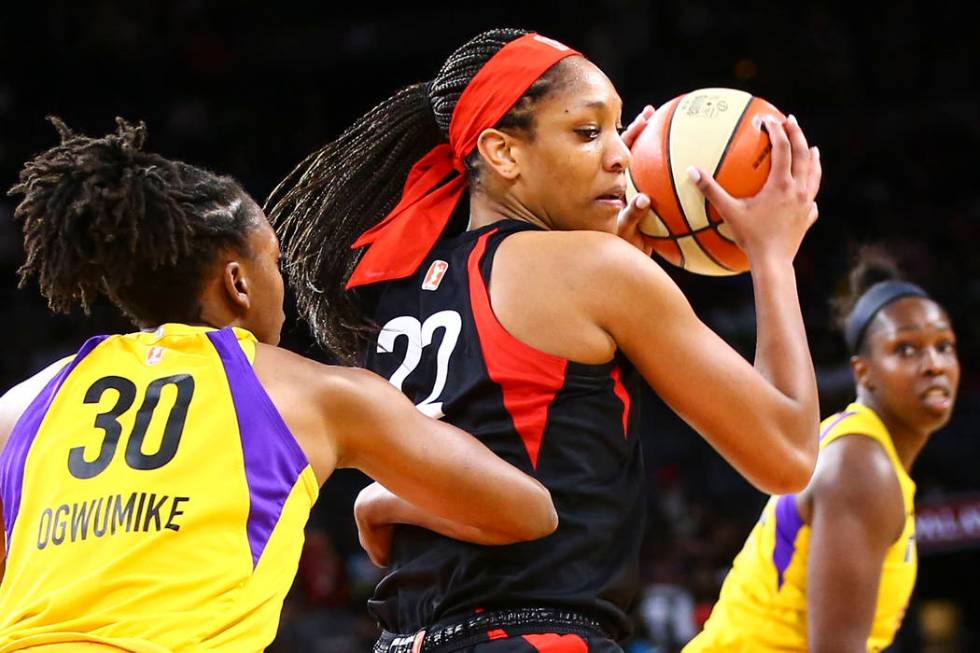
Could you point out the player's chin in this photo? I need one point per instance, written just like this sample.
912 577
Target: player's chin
934 415
604 214
930 415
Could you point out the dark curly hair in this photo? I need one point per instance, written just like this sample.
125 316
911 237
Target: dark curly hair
348 185
100 215
872 264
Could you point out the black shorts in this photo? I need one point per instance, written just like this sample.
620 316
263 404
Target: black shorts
545 643
524 630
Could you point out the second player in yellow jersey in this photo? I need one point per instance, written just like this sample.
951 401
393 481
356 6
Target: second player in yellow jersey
763 602
832 568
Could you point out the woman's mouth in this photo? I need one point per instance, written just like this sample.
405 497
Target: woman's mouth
938 398
613 198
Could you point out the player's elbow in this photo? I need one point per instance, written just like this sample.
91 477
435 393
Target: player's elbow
546 520
534 519
791 472
793 456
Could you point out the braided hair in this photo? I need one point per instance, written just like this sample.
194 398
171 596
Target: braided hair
351 183
101 216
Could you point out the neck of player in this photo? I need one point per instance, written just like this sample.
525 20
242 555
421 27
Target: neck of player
907 439
485 210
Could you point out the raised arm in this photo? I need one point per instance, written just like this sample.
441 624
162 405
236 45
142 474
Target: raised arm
763 420
857 513
435 467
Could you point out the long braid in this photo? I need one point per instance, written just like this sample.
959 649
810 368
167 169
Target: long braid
99 215
346 187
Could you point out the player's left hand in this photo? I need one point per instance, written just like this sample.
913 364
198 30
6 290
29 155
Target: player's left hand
627 226
628 223
376 542
374 534
631 133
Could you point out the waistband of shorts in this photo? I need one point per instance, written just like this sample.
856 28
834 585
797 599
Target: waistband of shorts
477 628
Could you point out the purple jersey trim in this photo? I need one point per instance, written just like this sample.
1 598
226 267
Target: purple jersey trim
788 524
14 455
788 520
273 459
837 420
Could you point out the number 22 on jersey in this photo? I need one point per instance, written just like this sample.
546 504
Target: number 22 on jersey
420 335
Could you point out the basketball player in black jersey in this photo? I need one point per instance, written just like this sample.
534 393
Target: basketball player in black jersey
524 320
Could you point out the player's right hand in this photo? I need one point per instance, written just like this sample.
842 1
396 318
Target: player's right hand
774 221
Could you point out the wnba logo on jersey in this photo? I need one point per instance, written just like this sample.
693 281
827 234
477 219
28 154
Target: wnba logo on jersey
435 274
154 355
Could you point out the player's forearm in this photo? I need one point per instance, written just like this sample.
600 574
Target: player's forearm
834 640
382 508
782 353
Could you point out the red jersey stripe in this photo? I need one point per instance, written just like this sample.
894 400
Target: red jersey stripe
497 633
554 643
528 378
620 391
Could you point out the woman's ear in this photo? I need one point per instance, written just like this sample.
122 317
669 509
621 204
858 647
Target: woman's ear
862 374
496 148
236 285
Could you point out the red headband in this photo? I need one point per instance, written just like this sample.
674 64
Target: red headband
402 240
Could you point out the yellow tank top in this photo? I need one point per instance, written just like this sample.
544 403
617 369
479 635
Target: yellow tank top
763 605
153 499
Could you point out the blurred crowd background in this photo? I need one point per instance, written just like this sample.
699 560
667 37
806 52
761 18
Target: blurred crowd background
890 95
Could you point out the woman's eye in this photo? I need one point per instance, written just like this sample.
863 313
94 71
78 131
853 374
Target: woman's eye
588 132
946 347
905 349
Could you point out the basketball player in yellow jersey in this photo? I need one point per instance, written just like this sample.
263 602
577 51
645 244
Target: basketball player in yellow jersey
155 486
831 569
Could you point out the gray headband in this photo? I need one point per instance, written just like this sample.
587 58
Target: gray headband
873 300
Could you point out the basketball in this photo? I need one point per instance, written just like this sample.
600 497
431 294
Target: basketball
720 131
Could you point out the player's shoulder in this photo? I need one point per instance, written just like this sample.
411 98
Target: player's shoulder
16 400
575 240
599 273
332 384
855 472
856 454
591 254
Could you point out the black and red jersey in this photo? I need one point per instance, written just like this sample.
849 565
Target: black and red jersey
568 424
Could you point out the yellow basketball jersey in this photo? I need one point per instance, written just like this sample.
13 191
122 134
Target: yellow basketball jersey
763 604
153 499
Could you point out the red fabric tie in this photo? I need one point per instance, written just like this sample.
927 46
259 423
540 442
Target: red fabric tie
400 242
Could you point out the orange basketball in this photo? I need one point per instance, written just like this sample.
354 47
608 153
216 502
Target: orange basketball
718 130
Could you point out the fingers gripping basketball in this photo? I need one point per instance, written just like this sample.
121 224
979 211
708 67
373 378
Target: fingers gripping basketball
720 131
